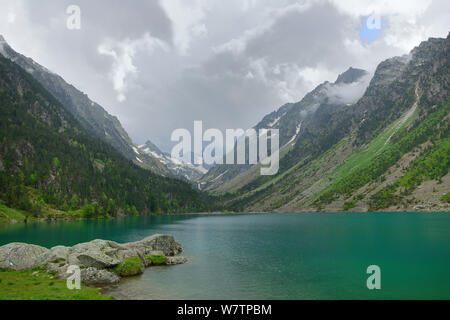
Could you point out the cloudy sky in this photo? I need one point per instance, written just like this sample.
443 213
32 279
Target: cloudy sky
160 65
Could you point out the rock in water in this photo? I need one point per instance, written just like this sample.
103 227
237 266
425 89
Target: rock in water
20 256
175 260
163 243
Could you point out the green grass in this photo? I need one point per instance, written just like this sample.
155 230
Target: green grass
370 163
363 158
8 214
432 165
24 285
157 259
128 267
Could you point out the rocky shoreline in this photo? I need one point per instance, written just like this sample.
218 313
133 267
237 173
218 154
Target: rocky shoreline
101 262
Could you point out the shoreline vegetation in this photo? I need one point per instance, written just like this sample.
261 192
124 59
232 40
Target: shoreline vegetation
14 216
32 272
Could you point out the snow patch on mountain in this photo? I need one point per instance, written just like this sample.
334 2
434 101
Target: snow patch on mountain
274 122
295 136
135 149
176 166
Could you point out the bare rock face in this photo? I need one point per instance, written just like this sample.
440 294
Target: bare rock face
20 256
95 277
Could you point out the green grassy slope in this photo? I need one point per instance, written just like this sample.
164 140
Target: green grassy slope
378 156
36 284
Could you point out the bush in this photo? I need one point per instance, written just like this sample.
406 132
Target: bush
446 198
349 205
88 211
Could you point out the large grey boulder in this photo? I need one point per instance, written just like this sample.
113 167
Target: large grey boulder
60 252
127 253
55 254
58 269
176 260
97 259
20 256
163 243
95 277
96 253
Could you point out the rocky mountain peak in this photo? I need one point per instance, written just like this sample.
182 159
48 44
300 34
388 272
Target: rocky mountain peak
351 75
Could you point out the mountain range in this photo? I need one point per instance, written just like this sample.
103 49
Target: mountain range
190 172
364 142
95 118
53 163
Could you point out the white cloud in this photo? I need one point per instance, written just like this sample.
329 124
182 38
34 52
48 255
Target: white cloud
122 53
296 80
248 4
348 93
187 21
408 9
400 29
11 17
270 17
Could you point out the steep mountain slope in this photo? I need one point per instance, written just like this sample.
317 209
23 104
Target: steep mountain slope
50 164
91 115
294 120
375 154
180 169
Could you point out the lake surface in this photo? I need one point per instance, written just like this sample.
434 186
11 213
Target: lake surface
275 256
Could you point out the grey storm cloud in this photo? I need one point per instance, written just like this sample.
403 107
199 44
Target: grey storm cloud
112 18
161 64
317 32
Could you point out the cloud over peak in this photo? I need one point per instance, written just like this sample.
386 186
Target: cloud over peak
161 64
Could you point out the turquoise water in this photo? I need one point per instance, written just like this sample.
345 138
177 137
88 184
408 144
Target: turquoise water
276 256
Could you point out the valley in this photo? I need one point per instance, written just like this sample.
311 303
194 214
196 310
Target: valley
383 149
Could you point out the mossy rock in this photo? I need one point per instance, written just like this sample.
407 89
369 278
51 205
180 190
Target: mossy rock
129 267
157 259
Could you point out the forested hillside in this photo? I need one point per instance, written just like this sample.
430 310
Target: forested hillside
50 165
